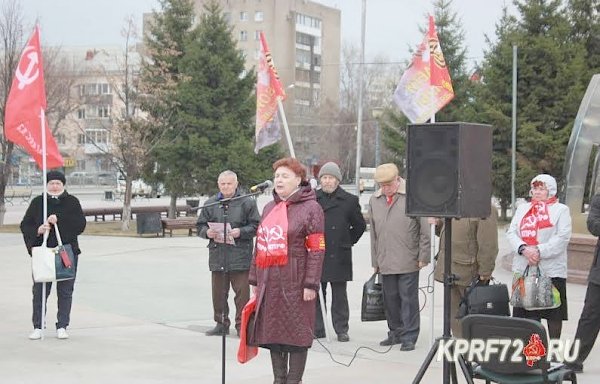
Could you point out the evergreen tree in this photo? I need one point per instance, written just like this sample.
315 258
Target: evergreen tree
550 86
216 113
584 16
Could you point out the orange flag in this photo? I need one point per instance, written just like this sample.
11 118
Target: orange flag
425 87
268 90
24 106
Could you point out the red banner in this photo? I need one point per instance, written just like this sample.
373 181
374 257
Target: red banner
24 106
268 90
425 87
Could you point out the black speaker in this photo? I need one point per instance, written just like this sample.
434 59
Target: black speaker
449 168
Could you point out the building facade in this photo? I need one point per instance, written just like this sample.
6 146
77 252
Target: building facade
304 38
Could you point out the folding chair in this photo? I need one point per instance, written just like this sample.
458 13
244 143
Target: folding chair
489 327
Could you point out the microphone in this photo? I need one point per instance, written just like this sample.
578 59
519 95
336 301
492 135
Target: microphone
262 186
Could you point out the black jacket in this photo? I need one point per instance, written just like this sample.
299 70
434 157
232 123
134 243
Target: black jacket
344 225
593 224
242 214
71 221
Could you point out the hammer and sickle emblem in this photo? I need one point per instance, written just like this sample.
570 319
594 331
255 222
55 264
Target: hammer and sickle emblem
276 233
32 72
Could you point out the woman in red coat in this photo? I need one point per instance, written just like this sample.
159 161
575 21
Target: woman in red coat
286 270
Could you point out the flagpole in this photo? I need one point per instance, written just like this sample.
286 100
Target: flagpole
286 129
45 209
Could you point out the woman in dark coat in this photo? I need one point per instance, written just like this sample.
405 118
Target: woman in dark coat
64 210
286 270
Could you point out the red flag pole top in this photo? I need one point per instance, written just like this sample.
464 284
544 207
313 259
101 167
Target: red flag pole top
25 103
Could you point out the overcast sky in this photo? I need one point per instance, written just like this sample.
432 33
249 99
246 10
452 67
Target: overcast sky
392 25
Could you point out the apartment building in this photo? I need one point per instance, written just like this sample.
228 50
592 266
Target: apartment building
304 38
93 77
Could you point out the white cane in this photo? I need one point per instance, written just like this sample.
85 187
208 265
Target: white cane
43 309
324 315
431 283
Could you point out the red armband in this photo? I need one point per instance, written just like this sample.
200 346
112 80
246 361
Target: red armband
315 242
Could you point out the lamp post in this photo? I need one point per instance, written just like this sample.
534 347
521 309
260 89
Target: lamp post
377 113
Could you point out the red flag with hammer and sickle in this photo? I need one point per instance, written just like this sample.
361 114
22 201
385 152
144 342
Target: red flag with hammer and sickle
24 106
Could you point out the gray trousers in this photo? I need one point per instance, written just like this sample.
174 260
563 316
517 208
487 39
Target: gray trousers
401 301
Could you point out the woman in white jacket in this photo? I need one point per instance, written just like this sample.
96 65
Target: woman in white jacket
539 234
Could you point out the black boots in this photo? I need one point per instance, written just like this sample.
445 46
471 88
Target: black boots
218 330
297 364
279 361
281 374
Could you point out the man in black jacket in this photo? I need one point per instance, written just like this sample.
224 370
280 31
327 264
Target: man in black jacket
344 225
65 211
229 260
589 321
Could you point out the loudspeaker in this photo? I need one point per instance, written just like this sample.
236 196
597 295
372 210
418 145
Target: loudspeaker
449 168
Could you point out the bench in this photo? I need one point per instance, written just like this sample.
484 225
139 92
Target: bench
19 193
101 212
188 223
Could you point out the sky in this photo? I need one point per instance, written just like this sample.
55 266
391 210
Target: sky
392 26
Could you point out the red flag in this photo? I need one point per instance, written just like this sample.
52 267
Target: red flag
268 91
24 106
425 87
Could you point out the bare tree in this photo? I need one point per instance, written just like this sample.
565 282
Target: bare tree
11 38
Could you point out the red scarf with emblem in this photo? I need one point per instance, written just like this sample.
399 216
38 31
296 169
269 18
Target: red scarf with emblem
272 238
535 219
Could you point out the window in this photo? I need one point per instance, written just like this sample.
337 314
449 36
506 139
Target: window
104 89
308 21
81 113
243 35
257 35
81 138
61 139
97 136
80 165
243 16
103 111
259 16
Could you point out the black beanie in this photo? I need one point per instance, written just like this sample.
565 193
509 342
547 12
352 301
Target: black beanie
56 175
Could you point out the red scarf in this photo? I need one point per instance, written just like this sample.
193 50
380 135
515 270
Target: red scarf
272 238
535 219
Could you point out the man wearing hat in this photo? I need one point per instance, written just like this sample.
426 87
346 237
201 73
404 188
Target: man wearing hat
65 211
344 225
399 249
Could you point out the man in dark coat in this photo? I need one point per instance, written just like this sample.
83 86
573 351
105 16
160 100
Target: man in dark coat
344 225
229 261
65 211
589 321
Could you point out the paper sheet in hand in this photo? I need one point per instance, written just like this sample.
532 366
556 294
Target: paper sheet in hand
218 227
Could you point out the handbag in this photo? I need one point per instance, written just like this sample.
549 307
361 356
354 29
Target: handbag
372 308
52 264
247 350
490 299
532 290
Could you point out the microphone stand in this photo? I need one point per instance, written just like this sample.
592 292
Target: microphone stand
224 204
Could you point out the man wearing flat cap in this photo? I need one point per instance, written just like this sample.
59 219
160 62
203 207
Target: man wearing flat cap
344 225
399 249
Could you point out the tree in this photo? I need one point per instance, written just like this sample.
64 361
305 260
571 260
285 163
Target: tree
217 112
165 43
11 35
451 37
550 86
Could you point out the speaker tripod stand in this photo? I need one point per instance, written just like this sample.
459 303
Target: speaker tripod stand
449 368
